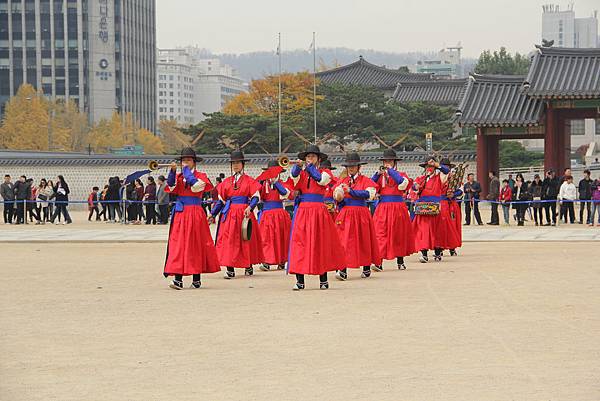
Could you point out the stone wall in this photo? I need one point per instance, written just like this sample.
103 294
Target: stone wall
81 179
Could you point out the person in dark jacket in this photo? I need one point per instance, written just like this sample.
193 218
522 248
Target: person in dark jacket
61 191
550 188
519 196
7 192
585 194
535 193
112 198
150 201
139 190
493 195
472 189
22 194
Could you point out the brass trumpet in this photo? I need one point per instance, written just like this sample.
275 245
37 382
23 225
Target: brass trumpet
154 165
285 161
382 169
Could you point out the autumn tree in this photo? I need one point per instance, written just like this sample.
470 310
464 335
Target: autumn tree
262 98
172 136
25 122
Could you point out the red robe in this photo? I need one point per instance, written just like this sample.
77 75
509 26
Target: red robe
315 245
427 228
190 249
448 236
275 226
393 226
232 249
355 226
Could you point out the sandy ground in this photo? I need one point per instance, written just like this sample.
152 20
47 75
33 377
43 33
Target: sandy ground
502 321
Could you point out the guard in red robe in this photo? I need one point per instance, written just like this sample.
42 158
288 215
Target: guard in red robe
427 226
354 222
329 201
239 195
393 226
449 236
315 247
274 221
190 250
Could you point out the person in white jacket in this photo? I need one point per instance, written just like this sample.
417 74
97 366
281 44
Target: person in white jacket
567 195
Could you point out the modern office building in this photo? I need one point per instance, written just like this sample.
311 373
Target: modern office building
98 53
567 31
176 79
188 86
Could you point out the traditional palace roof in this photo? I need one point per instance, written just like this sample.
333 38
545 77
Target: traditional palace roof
564 73
362 72
442 92
497 101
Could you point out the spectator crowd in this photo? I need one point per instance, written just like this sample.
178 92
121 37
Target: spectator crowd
141 201
149 202
553 197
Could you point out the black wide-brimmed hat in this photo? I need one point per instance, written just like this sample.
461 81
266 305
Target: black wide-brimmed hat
312 149
389 154
272 163
327 164
426 160
446 162
189 152
353 159
237 156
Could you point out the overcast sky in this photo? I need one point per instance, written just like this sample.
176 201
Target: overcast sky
239 26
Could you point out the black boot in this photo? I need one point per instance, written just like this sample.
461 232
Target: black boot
453 252
249 271
299 282
196 281
324 284
366 273
229 273
342 275
400 262
424 258
438 254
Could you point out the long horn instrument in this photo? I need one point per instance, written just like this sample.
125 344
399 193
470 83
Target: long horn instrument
154 165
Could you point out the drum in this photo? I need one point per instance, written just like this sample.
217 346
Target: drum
427 208
246 229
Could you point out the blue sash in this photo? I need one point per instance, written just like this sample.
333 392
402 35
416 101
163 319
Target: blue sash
269 205
236 200
183 201
429 199
391 199
354 202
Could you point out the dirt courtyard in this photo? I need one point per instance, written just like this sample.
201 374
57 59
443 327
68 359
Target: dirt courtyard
502 321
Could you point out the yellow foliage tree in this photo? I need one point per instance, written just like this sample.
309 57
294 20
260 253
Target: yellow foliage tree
25 122
173 139
151 143
262 98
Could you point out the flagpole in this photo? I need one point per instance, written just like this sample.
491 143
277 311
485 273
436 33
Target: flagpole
279 93
315 85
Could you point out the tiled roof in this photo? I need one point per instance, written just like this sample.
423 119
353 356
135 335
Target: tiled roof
564 73
497 101
8 158
362 72
441 92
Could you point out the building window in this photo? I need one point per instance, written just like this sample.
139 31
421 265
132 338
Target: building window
577 127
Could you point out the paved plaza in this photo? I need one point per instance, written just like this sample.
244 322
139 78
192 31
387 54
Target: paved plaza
501 321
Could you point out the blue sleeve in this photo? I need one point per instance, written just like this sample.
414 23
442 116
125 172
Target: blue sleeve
359 194
280 188
171 178
444 169
396 176
458 193
295 171
253 202
375 177
189 176
217 208
313 172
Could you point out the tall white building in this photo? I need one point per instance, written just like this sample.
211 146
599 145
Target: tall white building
176 86
567 31
189 87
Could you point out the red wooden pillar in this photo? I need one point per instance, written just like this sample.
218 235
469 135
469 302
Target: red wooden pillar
493 155
563 133
550 140
482 160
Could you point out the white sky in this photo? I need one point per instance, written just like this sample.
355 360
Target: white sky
239 26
